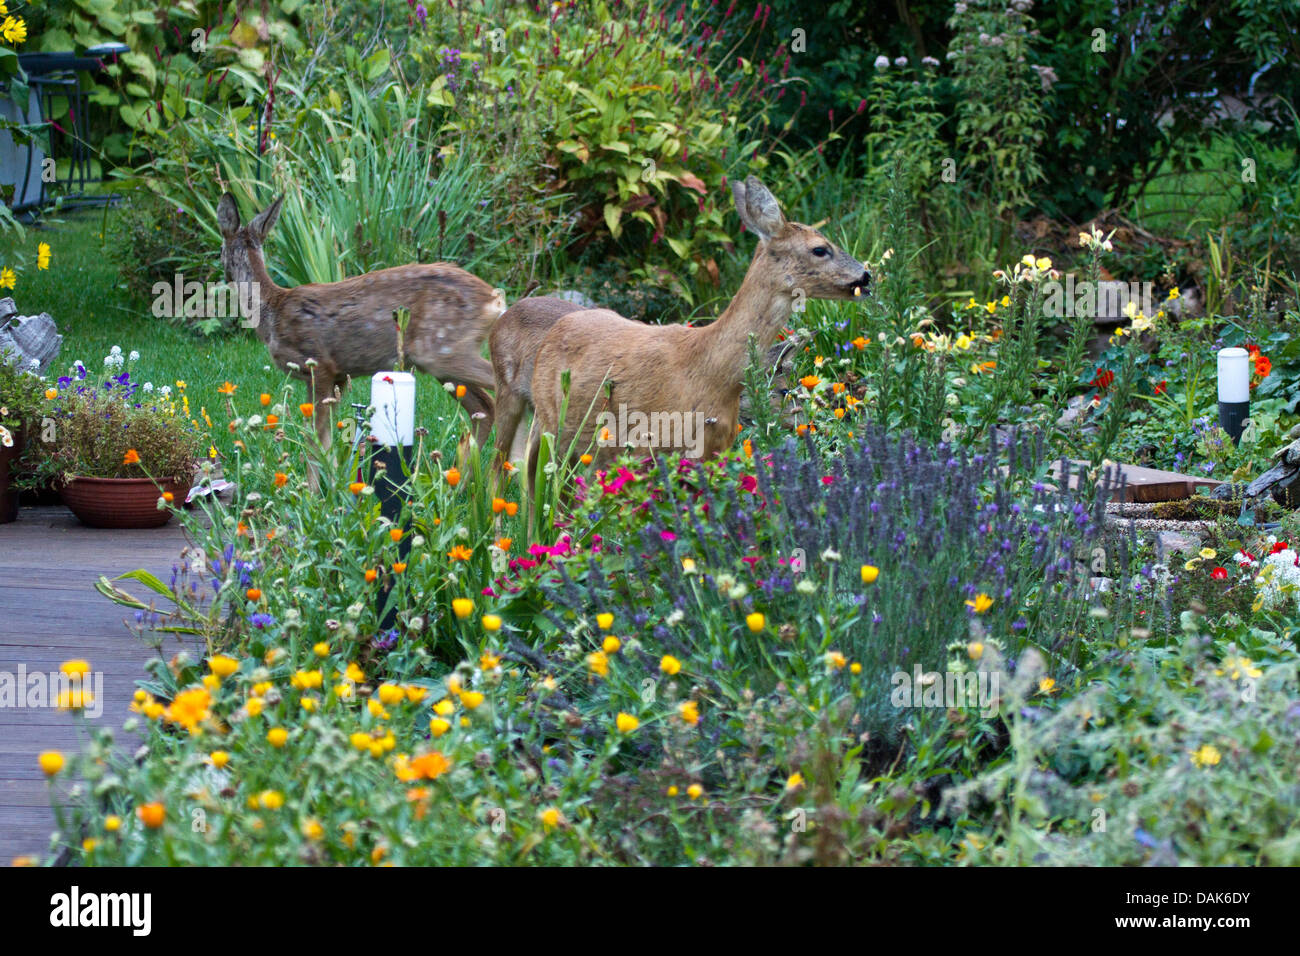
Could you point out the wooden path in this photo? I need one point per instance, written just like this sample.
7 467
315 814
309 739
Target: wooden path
49 613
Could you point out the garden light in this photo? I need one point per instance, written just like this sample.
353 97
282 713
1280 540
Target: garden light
392 427
1234 391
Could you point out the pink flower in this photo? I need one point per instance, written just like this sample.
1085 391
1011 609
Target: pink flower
828 479
667 536
749 482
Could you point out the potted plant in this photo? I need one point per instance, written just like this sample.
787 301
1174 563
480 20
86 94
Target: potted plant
119 450
20 407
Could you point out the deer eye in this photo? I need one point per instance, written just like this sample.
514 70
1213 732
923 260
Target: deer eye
821 252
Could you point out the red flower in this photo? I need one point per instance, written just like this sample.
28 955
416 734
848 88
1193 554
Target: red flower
1161 387
749 482
1278 548
1102 378
1219 574
1263 365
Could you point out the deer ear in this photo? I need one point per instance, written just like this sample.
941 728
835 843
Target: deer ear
758 208
262 224
227 216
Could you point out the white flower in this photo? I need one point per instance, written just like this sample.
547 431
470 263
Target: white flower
6 438
165 391
148 387
882 63
134 356
115 350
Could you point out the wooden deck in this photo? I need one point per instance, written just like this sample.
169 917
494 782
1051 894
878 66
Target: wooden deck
50 612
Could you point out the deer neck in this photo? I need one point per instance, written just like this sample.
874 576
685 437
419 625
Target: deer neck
757 310
269 293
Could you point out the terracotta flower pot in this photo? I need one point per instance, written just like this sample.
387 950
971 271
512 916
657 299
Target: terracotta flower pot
8 493
120 502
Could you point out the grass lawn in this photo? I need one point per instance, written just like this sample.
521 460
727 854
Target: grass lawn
94 312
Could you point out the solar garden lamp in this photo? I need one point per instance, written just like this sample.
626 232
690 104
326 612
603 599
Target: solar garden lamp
392 432
1234 391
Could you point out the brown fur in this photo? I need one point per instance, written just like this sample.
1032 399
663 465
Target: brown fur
676 369
347 327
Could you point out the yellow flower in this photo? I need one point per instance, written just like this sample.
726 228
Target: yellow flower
360 740
254 706
462 607
975 650
605 621
611 645
1206 756
43 255
869 573
550 817
670 665
321 650
51 762
75 669
218 758
1046 685
277 737
626 723
598 662
1043 264
695 791
981 603
438 726
15 31
688 565
8 278
1209 554
755 622
836 660
689 712
471 699
112 823
491 623
312 829
390 694
794 781
223 666
271 799
489 661
51 394
444 707
673 791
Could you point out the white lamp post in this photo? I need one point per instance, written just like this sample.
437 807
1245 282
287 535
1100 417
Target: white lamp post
392 432
1234 391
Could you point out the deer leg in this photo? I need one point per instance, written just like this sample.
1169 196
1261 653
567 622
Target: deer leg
478 405
509 410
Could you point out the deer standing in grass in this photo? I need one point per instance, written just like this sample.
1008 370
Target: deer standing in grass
669 370
516 338
348 329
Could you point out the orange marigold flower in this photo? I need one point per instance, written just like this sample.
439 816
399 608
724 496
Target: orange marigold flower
152 815
504 543
357 487
265 399
512 508
498 505
272 421
399 567
460 391
253 594
460 553
307 409
281 479
453 476
371 574
227 388
132 457
395 534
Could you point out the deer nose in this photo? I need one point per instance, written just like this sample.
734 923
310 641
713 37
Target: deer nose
862 284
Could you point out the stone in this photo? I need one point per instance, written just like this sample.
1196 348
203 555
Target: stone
33 341
1175 542
576 297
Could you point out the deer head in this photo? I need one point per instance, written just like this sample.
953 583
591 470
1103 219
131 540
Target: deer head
240 243
792 258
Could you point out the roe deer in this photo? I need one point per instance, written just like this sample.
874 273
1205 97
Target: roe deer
348 329
657 372
513 344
